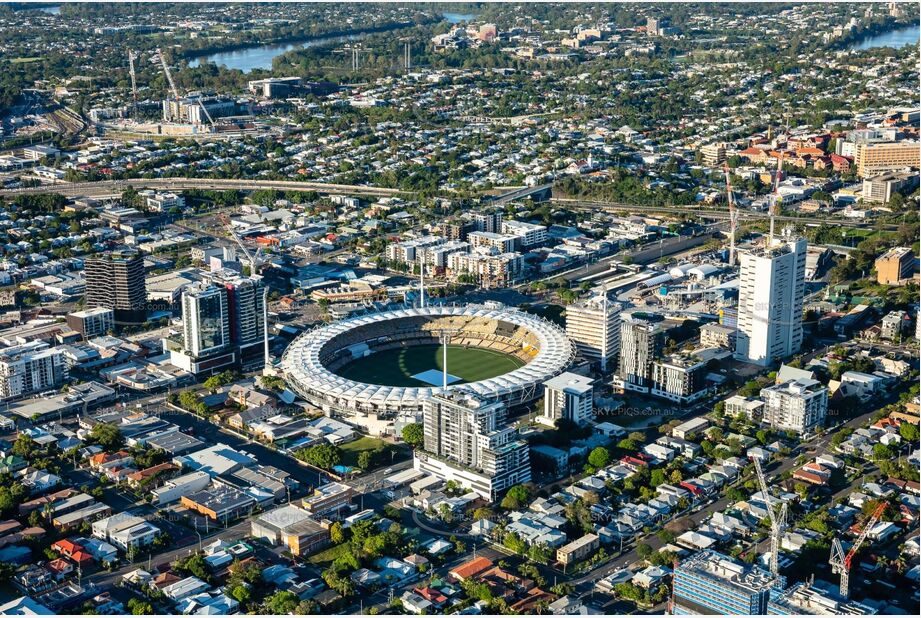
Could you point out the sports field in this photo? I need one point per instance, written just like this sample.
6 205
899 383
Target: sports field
396 367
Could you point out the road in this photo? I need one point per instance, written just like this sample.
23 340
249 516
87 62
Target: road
115 187
697 211
104 579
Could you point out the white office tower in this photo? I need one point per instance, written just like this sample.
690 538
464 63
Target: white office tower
466 443
594 326
771 286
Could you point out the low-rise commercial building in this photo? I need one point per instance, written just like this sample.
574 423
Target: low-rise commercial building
222 504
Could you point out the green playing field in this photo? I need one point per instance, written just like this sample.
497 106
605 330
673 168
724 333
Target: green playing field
396 367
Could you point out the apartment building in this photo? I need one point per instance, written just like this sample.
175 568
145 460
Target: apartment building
577 550
568 396
895 266
92 322
116 280
771 288
30 368
641 339
489 271
594 326
488 221
715 335
499 243
713 154
795 405
465 441
680 377
529 234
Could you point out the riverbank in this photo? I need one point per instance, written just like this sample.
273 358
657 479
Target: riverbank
200 56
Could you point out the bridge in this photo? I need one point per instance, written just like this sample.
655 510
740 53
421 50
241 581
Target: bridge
116 187
540 193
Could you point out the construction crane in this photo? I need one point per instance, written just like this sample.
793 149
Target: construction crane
205 112
775 198
841 562
733 217
169 76
255 261
778 522
132 55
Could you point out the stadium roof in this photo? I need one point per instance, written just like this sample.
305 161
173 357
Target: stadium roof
313 380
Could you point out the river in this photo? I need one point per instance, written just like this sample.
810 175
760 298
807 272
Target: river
260 57
900 37
456 18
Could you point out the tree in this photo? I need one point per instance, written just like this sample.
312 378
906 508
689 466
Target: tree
413 434
643 550
517 496
212 384
364 460
106 435
241 593
336 533
281 602
908 432
599 457
323 456
139 608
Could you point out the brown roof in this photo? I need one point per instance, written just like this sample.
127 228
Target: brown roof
152 471
472 568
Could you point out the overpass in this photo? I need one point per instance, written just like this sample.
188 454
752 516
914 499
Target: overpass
540 193
695 210
115 187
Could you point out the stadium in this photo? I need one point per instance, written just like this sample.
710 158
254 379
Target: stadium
377 368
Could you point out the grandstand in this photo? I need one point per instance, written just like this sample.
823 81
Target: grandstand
315 361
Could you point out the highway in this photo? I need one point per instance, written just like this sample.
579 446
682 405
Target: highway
115 187
697 211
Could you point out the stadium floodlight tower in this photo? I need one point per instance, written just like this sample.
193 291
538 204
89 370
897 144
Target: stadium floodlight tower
445 336
421 280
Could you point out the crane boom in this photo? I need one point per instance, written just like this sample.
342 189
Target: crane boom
169 76
733 217
205 111
134 86
775 198
841 562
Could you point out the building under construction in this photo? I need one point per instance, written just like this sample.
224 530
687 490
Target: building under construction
196 111
711 583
